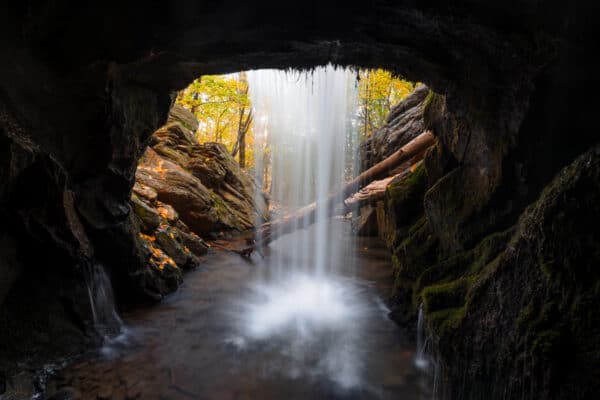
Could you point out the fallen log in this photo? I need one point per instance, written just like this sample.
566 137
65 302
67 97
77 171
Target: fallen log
373 192
409 154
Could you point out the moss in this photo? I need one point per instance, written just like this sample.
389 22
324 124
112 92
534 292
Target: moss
526 315
445 295
427 102
417 251
444 271
171 154
432 109
404 202
446 321
418 227
219 206
408 189
488 249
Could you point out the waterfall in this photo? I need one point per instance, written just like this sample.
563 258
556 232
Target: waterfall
302 300
106 320
421 358
424 360
306 119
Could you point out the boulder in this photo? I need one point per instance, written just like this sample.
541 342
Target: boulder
180 189
169 240
202 183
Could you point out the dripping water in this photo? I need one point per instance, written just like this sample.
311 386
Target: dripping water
424 359
421 357
106 321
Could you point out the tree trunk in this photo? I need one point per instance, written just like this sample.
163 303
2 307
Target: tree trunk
243 127
307 215
243 149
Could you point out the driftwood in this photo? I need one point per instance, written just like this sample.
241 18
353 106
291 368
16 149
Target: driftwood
401 160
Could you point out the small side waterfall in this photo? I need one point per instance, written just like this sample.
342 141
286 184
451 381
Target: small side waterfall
421 357
106 320
424 359
102 301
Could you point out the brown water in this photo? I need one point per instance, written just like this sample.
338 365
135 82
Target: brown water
212 340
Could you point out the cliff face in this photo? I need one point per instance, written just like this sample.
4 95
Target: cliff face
507 302
85 86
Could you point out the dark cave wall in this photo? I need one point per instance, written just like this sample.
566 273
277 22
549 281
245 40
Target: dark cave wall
84 86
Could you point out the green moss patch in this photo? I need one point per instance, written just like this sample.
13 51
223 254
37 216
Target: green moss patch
445 295
446 321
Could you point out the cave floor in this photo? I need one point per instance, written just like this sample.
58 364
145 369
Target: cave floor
188 347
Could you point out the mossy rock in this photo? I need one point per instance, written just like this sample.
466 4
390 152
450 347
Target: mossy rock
445 295
433 107
404 197
148 216
446 321
171 154
183 116
171 243
446 270
417 252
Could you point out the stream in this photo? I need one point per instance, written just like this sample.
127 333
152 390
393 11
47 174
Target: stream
225 334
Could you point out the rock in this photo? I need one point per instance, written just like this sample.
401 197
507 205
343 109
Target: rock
207 164
160 276
214 165
366 222
168 239
145 192
553 246
173 142
184 117
404 123
79 104
202 182
167 212
66 393
194 243
182 226
149 217
180 189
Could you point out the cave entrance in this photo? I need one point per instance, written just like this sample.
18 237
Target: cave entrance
301 315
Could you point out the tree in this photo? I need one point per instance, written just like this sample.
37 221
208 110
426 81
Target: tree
378 92
244 123
222 106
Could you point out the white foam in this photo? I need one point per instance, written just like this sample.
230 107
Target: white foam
302 303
